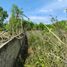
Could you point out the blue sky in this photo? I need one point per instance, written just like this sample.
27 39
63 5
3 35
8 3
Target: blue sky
38 10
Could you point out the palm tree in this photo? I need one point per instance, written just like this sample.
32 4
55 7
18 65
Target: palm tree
17 14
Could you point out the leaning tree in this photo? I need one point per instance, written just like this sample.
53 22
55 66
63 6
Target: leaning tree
16 20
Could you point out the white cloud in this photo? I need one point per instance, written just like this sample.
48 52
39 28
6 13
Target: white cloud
60 0
44 19
36 17
45 10
56 5
51 8
39 17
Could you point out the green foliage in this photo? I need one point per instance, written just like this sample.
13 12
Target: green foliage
41 26
47 42
30 25
6 27
45 50
3 15
61 25
36 26
15 20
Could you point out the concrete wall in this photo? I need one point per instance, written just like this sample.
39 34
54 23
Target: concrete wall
10 50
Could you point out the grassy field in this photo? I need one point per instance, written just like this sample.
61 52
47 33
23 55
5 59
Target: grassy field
47 49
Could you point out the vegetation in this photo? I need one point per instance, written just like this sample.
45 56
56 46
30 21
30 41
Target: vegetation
3 15
47 42
47 49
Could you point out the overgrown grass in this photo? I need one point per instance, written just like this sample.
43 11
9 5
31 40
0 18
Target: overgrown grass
47 49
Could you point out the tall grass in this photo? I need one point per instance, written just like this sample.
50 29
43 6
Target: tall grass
47 49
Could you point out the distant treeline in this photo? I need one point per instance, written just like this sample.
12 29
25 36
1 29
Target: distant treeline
17 23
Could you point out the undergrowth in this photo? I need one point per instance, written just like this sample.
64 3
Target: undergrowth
45 50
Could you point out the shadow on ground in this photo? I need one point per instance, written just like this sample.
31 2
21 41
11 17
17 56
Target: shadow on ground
23 54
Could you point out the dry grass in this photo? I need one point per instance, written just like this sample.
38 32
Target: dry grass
4 36
47 49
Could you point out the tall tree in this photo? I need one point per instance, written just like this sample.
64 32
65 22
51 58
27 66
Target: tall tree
15 20
3 15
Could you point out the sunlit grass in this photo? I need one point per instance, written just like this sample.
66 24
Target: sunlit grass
46 49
